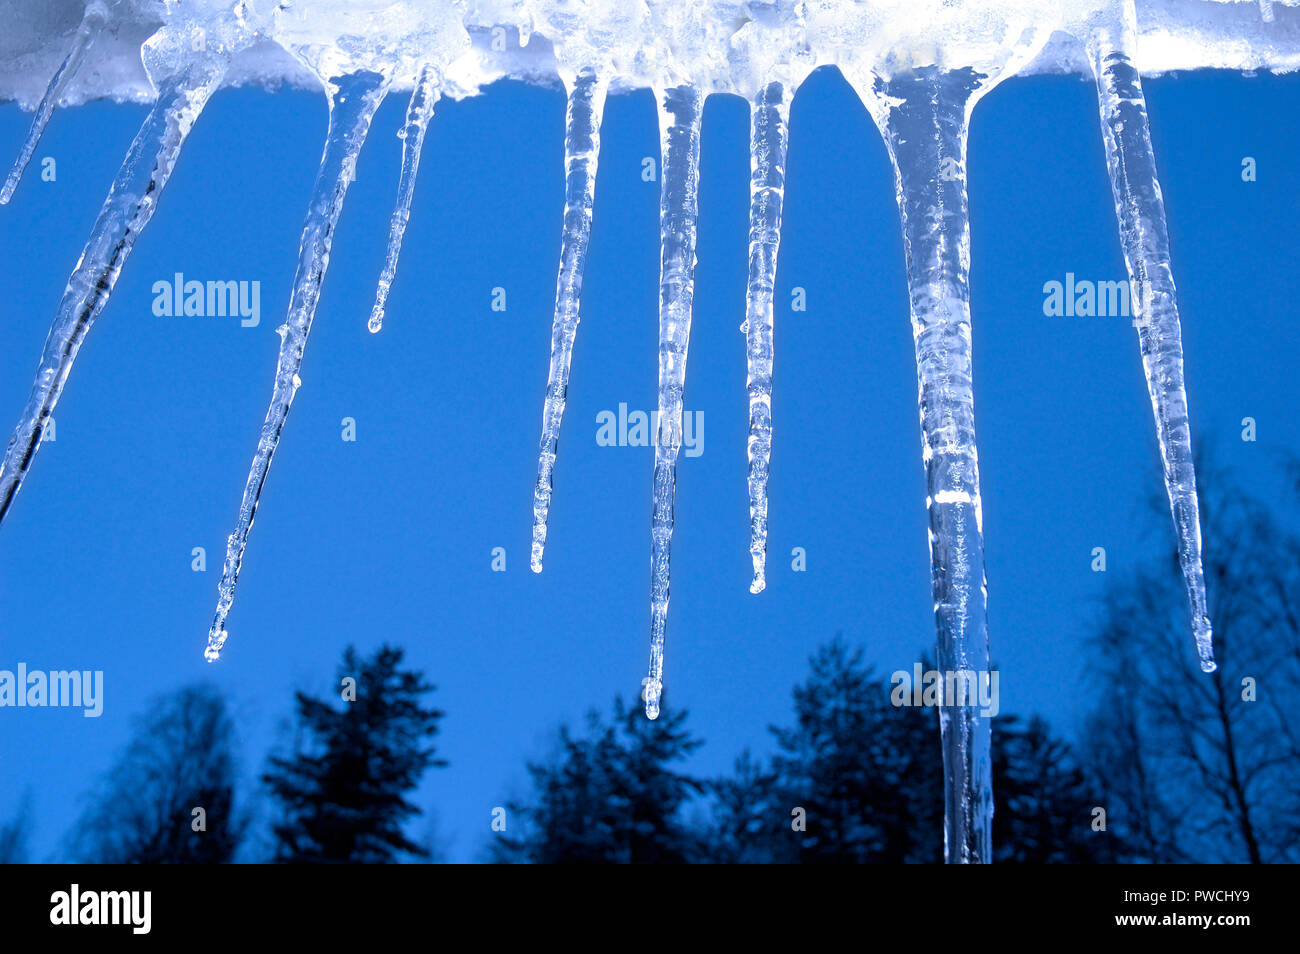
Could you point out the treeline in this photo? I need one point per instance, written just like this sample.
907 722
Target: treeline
1174 764
854 779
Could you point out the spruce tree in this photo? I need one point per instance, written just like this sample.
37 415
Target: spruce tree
343 793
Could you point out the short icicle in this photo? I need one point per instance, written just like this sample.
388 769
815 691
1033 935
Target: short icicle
923 114
126 212
92 24
581 154
1144 234
418 114
353 101
681 110
769 119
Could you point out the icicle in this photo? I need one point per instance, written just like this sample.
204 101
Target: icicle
126 212
418 114
769 116
353 101
923 115
680 113
581 153
1144 235
92 24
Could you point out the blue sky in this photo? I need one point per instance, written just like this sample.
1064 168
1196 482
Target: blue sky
389 538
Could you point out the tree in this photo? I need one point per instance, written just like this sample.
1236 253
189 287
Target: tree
609 797
746 825
865 774
343 793
169 798
869 777
1042 799
1205 766
14 834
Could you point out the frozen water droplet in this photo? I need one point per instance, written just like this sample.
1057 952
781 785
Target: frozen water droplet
651 692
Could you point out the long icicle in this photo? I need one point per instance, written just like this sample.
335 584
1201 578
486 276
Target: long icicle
581 154
92 24
681 110
1144 234
769 119
925 115
353 101
126 212
418 114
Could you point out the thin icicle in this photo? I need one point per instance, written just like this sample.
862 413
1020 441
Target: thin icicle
680 113
1144 234
923 115
769 117
581 153
92 24
418 114
353 101
126 212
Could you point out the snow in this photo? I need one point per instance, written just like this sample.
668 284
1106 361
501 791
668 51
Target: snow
920 66
1172 35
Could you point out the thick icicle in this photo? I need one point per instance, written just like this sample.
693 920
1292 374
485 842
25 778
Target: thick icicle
92 24
769 116
1144 234
126 212
923 114
418 114
680 113
353 101
581 154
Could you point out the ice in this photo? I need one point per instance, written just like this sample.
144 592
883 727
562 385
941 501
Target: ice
184 83
680 112
354 97
418 113
1144 234
771 57
356 71
919 65
581 152
921 95
92 24
769 118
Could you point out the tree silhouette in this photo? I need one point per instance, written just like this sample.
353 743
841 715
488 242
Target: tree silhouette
169 798
863 779
343 793
1043 799
866 774
611 797
1195 766
14 834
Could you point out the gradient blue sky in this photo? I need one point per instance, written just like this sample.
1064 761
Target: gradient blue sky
390 537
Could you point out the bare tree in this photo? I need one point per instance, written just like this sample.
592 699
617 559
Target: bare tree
1195 766
170 795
